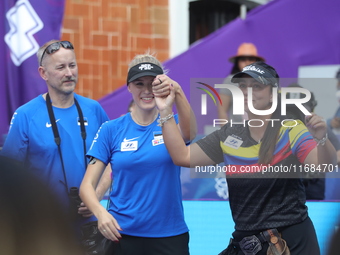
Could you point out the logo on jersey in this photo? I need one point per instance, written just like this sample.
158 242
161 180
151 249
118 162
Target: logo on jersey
48 125
233 142
129 144
128 140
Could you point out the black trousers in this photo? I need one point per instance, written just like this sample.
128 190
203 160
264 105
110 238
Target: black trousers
301 239
132 245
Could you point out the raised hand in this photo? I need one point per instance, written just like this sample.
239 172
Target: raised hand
164 90
316 126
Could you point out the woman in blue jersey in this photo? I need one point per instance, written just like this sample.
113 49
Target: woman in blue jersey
145 214
267 202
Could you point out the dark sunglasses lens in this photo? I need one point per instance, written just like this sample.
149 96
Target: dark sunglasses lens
52 48
66 44
253 59
55 47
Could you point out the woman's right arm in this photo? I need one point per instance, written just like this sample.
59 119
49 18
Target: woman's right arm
104 183
182 155
107 225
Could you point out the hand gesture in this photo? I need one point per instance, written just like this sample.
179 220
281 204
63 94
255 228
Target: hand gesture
164 90
316 126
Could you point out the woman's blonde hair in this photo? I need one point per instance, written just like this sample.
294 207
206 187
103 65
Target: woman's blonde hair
146 57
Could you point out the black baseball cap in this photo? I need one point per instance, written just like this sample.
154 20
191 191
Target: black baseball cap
261 72
143 69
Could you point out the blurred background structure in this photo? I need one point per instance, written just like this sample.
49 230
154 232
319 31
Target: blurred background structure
193 38
106 35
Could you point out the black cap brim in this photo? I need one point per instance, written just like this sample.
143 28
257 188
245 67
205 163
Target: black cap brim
142 74
254 75
260 78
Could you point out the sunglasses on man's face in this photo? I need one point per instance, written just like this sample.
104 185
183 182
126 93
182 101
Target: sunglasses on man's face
55 47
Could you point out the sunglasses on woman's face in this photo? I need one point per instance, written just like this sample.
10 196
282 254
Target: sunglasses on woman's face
55 47
246 58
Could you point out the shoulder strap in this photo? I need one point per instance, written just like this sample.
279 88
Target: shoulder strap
82 128
57 139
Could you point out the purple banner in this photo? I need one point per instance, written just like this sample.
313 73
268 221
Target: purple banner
285 32
26 26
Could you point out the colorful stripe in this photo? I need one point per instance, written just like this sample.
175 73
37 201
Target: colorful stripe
292 140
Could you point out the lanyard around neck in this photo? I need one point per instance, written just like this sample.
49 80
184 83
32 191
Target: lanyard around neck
57 138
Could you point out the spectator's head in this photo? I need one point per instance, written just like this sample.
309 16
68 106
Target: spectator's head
337 76
246 55
292 110
58 66
31 220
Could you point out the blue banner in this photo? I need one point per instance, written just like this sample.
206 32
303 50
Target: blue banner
26 26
